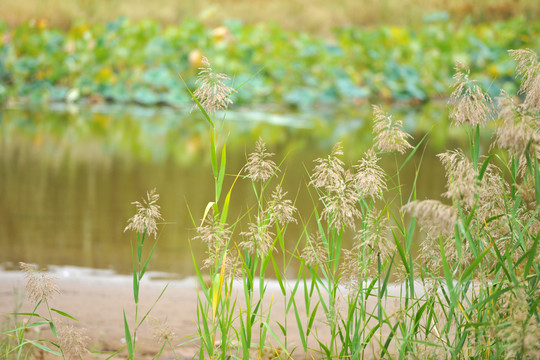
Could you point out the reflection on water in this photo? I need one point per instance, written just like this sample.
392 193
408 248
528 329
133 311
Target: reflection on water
67 179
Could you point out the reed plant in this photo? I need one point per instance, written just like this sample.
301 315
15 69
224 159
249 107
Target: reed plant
473 291
144 224
16 343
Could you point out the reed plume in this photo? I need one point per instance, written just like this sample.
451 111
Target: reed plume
315 253
469 104
216 236
438 221
161 331
280 209
259 167
340 195
40 286
370 177
388 134
328 174
212 92
340 203
375 234
462 184
72 341
520 329
144 221
259 238
528 67
518 127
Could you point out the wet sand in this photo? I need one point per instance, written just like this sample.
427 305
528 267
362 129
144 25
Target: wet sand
98 299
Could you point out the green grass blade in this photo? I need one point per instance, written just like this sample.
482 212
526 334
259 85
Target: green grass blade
143 270
135 278
213 155
160 351
532 255
411 154
127 333
536 182
225 210
312 319
300 327
465 275
484 167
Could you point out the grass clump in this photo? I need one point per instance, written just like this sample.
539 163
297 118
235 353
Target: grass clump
472 293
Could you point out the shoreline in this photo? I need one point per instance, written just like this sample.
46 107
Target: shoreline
98 298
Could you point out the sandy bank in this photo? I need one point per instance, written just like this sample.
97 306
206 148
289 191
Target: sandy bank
98 298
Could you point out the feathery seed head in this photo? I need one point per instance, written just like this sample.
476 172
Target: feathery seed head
521 335
517 127
212 231
212 92
470 105
329 172
389 136
461 177
281 209
370 177
72 341
528 67
144 221
39 284
438 221
436 218
258 239
162 331
315 253
340 203
353 271
259 167
216 236
375 234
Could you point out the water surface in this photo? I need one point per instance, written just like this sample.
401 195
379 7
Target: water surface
68 176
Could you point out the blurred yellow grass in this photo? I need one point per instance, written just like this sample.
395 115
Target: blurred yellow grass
315 16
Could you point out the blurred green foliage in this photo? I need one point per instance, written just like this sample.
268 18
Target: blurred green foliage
138 62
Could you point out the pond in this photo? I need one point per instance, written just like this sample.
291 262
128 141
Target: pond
69 175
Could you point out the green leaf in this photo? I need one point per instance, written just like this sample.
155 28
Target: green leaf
221 175
63 314
31 325
43 347
53 329
485 164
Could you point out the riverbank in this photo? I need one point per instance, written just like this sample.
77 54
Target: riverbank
97 299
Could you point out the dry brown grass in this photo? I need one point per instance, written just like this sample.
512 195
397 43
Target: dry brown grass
316 16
